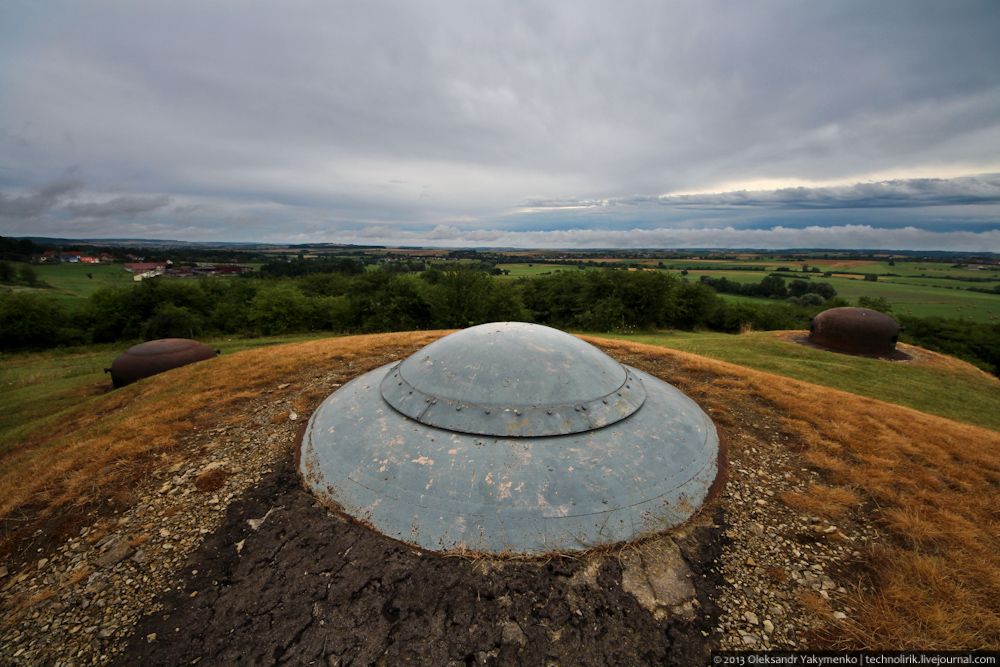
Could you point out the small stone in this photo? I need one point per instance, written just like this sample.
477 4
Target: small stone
284 385
255 524
757 528
42 562
840 616
151 637
293 416
117 552
512 633
239 546
750 617
768 626
761 502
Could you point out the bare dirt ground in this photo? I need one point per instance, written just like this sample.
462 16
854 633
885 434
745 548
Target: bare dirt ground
224 558
308 587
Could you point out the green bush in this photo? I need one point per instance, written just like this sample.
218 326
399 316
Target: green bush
383 301
280 308
974 342
170 321
35 321
878 303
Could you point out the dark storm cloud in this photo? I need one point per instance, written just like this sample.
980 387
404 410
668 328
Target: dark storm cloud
126 207
30 206
314 118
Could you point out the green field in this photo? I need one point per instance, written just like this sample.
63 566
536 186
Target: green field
932 298
907 293
37 387
953 390
71 282
531 270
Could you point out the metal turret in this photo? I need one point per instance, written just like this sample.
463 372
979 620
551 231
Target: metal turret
511 437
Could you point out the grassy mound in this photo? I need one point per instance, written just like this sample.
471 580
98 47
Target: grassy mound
930 382
929 483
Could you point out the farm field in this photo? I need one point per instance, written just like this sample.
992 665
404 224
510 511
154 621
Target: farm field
901 267
530 270
70 282
940 298
908 295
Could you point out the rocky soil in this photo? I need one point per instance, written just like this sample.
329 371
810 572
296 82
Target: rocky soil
784 573
80 603
227 559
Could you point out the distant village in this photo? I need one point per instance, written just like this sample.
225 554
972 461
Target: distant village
141 269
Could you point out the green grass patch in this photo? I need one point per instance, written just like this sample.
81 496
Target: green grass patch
38 387
921 297
528 270
76 282
959 393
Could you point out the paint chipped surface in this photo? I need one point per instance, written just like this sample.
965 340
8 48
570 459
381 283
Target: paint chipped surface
572 492
499 380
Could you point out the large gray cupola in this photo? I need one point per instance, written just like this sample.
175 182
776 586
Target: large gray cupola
510 437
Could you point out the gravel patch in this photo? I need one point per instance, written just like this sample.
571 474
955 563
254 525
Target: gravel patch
80 603
786 574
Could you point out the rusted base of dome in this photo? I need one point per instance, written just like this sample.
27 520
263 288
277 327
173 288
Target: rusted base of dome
895 355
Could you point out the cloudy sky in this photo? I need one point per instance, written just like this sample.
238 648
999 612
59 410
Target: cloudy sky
510 123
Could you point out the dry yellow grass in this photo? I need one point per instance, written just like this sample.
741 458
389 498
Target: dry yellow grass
929 483
90 460
822 500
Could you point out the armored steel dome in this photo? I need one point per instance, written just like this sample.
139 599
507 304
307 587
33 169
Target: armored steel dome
510 437
156 356
855 330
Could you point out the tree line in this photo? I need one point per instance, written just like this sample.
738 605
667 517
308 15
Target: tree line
801 292
378 300
385 300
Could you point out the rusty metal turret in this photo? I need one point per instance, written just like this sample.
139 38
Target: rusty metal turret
156 356
855 330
